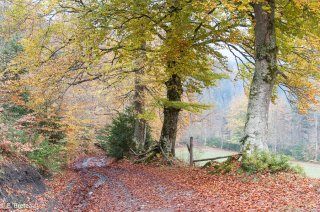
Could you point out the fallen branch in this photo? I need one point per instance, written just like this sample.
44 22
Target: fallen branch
216 158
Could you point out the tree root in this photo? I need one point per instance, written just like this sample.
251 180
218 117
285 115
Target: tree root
223 167
144 153
147 158
165 156
149 155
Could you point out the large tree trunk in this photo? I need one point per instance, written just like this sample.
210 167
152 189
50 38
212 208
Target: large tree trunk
171 115
139 136
265 74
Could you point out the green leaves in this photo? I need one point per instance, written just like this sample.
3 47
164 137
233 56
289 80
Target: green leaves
261 161
192 107
117 139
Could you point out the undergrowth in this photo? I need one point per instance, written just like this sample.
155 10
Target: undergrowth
117 138
50 157
32 136
263 161
256 162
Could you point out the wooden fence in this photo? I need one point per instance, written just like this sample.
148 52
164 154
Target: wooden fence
192 161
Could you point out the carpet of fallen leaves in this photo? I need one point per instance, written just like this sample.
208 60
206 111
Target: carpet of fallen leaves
123 186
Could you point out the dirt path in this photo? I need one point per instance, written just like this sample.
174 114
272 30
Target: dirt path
105 187
97 184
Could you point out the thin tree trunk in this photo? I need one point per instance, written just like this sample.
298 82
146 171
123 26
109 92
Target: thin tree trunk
139 106
265 74
316 136
171 115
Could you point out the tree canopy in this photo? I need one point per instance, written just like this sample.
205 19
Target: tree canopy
178 44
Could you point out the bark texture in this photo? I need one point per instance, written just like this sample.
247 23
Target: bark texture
139 107
265 74
171 115
139 103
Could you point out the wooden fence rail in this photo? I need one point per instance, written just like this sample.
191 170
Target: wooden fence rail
192 161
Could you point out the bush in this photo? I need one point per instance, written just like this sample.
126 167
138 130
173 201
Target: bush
20 136
117 139
13 112
37 136
48 156
262 161
51 128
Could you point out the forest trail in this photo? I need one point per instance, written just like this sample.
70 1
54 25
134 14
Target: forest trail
98 185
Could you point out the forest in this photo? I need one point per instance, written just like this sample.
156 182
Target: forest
103 103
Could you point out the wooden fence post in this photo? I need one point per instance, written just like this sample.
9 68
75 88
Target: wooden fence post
191 151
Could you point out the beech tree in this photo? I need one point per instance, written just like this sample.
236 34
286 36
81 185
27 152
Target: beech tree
166 49
105 39
189 41
264 75
279 35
